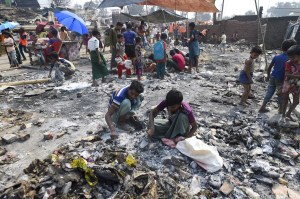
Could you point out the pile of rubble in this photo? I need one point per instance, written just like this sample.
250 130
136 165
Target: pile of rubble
260 156
22 15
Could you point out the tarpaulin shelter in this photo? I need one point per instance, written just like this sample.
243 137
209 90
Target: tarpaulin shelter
180 5
159 16
184 5
118 3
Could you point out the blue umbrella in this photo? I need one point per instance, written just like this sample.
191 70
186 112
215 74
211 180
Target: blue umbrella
71 21
8 25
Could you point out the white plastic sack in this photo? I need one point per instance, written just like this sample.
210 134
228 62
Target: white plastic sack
128 64
118 60
204 155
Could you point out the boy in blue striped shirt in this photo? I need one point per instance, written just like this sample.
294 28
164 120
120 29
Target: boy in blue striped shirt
122 106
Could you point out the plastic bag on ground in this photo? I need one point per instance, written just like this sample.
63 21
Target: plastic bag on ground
131 161
206 156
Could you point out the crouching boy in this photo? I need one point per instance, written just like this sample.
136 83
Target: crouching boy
122 106
181 121
64 69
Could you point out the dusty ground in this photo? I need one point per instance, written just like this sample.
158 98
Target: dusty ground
213 95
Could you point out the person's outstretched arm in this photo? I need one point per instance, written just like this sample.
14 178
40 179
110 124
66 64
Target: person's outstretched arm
152 115
193 130
109 121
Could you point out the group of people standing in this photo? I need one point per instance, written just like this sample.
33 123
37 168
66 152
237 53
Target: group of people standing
284 79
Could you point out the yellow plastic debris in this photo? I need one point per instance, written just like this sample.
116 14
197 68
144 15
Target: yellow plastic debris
131 161
79 163
90 177
88 172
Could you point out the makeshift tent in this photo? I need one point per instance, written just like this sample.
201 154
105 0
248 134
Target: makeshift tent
118 3
180 5
293 31
159 16
184 5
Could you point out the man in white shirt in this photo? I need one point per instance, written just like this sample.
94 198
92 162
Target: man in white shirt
10 49
99 69
223 42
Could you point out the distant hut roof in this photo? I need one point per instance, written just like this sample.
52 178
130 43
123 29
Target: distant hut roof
244 18
28 3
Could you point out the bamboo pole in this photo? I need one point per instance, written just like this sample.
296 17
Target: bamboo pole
222 9
36 81
262 36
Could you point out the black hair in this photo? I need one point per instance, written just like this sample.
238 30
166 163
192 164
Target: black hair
119 36
286 44
54 32
119 24
163 36
151 57
176 50
192 25
54 55
6 33
129 26
111 26
138 39
174 97
63 28
172 52
21 30
256 49
95 33
137 86
294 50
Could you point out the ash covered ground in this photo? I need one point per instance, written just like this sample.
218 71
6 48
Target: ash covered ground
45 127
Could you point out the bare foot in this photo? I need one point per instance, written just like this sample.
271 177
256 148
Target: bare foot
282 119
289 117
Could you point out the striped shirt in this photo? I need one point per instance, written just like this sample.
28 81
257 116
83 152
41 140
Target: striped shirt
118 97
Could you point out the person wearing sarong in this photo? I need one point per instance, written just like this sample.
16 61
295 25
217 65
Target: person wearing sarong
180 119
193 44
122 107
99 69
